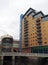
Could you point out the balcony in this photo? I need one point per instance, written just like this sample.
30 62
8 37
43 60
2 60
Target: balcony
25 32
25 35
37 21
39 34
38 27
26 26
26 38
26 22
26 41
39 30
26 29
39 41
26 45
39 38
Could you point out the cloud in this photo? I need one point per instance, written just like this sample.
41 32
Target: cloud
10 11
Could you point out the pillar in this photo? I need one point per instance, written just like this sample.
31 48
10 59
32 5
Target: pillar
13 60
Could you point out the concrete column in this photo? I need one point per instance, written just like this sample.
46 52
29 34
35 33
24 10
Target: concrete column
1 60
13 60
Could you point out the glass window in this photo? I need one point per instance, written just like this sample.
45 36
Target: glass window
7 44
45 42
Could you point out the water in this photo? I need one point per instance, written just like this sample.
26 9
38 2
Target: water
0 62
25 61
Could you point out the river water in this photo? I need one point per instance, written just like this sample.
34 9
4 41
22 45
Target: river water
24 61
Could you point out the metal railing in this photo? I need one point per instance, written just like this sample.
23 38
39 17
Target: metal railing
23 54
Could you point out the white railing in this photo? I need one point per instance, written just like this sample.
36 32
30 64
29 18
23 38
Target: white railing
23 54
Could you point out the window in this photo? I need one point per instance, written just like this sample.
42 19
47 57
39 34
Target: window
35 36
45 42
36 39
33 33
31 44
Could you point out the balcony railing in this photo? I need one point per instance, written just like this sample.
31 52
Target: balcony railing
38 27
39 30
25 32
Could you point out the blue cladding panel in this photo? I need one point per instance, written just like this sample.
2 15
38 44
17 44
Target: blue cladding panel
45 19
20 46
38 15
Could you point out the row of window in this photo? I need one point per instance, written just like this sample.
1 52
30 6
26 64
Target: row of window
7 44
32 43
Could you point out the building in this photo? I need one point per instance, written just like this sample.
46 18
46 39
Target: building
34 32
7 45
15 45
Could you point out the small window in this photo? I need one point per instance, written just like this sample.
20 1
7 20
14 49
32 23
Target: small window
36 39
31 44
35 36
45 42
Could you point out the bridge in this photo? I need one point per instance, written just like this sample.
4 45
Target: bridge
23 54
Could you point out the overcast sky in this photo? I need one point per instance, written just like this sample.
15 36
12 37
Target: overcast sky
10 11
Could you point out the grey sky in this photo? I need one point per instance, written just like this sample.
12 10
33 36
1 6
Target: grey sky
10 11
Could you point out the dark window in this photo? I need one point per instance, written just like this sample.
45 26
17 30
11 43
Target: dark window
36 39
35 36
38 21
33 33
45 42
26 44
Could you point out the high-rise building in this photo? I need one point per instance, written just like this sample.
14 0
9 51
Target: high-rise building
34 32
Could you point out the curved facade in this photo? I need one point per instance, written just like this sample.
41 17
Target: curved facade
7 43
